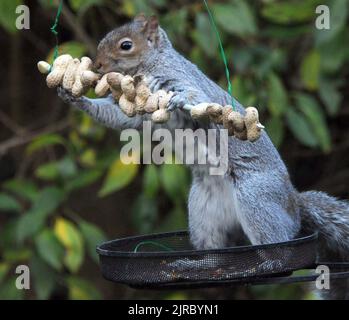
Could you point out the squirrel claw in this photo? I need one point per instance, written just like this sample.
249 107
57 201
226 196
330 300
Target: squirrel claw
177 102
66 95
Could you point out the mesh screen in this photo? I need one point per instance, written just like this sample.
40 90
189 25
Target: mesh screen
169 258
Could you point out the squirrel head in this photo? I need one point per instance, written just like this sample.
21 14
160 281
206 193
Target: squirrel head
126 47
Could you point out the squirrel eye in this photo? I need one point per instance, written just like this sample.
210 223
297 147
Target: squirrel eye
126 45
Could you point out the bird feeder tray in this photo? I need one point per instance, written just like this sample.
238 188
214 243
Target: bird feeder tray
168 261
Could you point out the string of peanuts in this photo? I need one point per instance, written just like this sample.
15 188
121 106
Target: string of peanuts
134 96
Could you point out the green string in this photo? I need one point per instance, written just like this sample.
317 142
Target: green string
153 243
224 58
54 28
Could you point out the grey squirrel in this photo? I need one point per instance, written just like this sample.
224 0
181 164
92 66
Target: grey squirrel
256 195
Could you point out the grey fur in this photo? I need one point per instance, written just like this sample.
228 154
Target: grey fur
256 195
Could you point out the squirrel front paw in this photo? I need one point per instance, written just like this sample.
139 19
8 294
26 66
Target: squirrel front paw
67 96
178 101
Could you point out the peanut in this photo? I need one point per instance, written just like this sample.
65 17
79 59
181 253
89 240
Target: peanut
59 67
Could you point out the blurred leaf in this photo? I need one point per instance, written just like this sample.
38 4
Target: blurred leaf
278 292
174 180
175 23
242 59
83 179
241 91
24 189
88 158
236 18
338 17
4 269
290 11
275 129
158 3
8 203
8 14
80 289
48 4
278 100
72 240
132 7
330 95
50 249
300 128
315 116
205 36
151 181
88 128
44 278
176 219
9 291
334 53
32 221
310 70
17 255
64 168
8 235
82 5
119 176
144 213
74 48
282 32
49 200
93 236
44 141
28 225
48 171
177 296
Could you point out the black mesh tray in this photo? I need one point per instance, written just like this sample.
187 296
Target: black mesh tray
168 260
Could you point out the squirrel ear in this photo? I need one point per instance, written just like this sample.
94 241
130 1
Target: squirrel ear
153 28
153 24
141 19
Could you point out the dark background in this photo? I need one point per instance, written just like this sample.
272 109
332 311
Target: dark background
62 186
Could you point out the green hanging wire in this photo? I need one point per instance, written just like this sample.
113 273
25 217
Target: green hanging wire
54 28
156 244
224 58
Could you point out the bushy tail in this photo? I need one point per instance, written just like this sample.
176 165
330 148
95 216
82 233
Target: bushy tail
330 218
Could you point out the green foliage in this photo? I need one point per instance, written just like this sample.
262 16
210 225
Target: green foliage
8 14
72 240
8 203
278 99
310 70
74 48
316 119
119 175
93 236
50 249
285 12
236 18
43 141
294 73
80 289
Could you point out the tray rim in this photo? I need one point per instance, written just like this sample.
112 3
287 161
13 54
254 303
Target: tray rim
185 253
